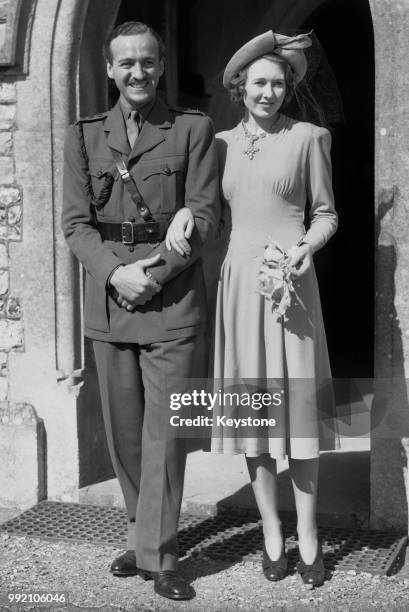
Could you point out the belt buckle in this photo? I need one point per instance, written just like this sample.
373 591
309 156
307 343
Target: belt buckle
127 232
153 233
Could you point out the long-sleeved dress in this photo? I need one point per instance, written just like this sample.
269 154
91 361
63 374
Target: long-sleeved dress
253 348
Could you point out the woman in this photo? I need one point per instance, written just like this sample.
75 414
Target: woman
271 165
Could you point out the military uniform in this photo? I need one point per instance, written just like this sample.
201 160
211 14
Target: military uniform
145 355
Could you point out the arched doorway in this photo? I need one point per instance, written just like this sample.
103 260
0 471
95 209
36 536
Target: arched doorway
207 34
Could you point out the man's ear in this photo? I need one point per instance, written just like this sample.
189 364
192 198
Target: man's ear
110 70
162 65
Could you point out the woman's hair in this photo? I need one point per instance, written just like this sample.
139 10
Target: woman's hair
238 83
299 101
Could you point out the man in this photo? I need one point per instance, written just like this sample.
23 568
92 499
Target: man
144 304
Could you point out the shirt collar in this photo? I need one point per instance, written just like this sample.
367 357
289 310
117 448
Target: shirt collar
143 111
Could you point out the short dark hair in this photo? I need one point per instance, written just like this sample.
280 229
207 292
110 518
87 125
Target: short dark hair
128 29
238 83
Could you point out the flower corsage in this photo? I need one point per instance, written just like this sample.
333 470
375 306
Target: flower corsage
275 281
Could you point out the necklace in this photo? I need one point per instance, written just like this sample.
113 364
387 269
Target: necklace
251 149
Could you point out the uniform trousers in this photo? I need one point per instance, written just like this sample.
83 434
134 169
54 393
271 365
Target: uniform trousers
149 460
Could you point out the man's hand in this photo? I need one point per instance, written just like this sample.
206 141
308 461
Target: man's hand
133 286
301 259
179 231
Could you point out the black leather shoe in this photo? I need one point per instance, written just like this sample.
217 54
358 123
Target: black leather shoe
274 570
124 565
170 584
313 574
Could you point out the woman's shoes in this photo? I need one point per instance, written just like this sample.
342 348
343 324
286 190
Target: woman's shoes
314 574
274 570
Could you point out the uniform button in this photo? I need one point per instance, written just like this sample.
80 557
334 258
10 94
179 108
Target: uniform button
167 170
131 249
99 173
131 219
143 209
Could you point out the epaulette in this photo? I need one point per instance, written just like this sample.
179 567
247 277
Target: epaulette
189 111
96 117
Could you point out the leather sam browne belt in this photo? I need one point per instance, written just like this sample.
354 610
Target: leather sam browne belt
127 232
133 233
130 185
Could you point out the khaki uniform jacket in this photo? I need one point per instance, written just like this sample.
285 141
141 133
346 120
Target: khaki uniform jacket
173 164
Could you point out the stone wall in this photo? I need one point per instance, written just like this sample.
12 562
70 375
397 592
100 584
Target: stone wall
22 436
390 413
11 325
38 424
23 451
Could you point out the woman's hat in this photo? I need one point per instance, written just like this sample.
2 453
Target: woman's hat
289 47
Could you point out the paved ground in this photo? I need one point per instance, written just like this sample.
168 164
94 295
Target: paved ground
82 570
32 565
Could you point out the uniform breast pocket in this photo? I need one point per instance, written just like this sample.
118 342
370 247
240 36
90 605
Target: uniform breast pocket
166 178
104 176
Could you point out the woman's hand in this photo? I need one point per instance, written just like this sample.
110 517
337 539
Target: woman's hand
179 231
301 259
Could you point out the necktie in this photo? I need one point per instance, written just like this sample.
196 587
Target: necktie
133 127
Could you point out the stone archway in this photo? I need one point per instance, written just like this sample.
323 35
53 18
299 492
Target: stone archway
92 98
45 370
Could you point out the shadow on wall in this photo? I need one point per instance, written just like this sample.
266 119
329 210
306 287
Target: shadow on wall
390 413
